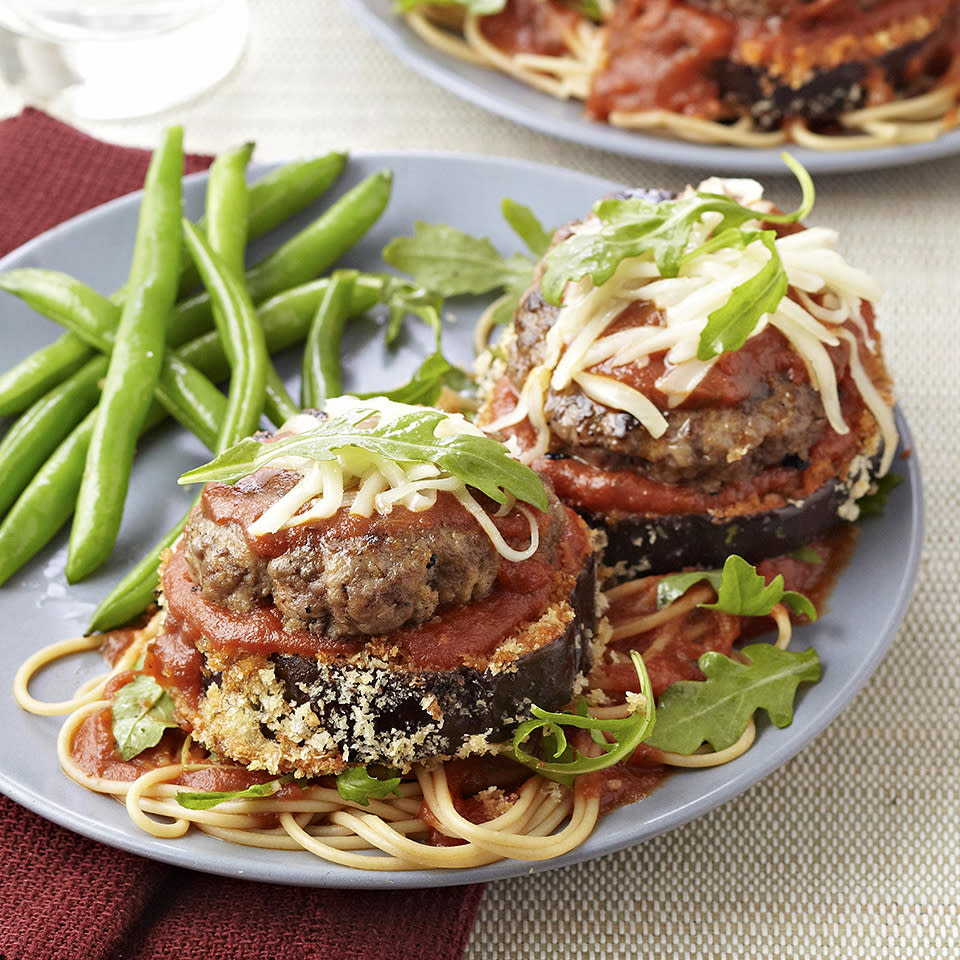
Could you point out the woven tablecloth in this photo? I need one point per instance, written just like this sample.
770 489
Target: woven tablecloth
852 849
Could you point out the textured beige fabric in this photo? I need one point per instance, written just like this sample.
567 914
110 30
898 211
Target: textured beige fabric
852 849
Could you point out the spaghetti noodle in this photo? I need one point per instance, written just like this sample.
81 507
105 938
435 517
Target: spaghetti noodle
749 73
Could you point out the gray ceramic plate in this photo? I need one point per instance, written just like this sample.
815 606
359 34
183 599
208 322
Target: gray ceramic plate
36 606
510 98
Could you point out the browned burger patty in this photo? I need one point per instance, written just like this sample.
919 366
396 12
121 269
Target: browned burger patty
390 577
396 571
709 446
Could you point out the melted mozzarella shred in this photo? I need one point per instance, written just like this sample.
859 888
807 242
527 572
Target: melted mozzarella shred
368 483
825 293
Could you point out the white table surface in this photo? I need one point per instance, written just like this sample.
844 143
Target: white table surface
851 849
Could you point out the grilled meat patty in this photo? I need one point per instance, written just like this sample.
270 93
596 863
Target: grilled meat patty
708 446
397 572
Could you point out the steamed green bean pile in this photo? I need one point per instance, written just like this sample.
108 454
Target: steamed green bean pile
190 315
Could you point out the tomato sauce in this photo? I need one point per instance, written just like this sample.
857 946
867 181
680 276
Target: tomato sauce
660 55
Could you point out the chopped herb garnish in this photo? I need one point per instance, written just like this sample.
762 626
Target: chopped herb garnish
874 504
208 799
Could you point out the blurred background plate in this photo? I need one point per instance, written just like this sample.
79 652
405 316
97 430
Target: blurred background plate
507 97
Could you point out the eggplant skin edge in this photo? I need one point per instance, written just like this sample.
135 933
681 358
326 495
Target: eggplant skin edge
293 714
654 544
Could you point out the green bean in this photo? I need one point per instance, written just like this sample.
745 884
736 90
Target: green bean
134 364
220 265
221 269
48 499
279 195
228 201
274 198
321 370
286 317
41 429
136 591
320 245
187 395
240 335
191 398
286 190
27 381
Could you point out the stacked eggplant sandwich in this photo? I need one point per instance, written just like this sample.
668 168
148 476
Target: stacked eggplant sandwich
375 584
699 375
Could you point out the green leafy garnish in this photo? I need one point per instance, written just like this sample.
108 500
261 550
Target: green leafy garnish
729 326
478 461
449 262
717 710
740 590
874 504
427 382
403 298
357 786
617 739
636 227
526 226
207 800
141 711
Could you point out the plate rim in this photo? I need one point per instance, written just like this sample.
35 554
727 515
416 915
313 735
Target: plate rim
235 861
438 67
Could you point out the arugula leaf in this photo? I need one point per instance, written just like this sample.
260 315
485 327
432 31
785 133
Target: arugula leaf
729 326
717 710
449 262
358 786
427 382
208 799
480 462
874 504
740 590
403 298
526 225
561 762
141 711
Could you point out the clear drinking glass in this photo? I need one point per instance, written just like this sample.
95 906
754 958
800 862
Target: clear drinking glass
115 59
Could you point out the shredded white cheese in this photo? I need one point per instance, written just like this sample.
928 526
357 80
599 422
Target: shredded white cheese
576 342
369 483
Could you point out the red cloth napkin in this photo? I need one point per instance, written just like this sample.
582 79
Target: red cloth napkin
63 897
